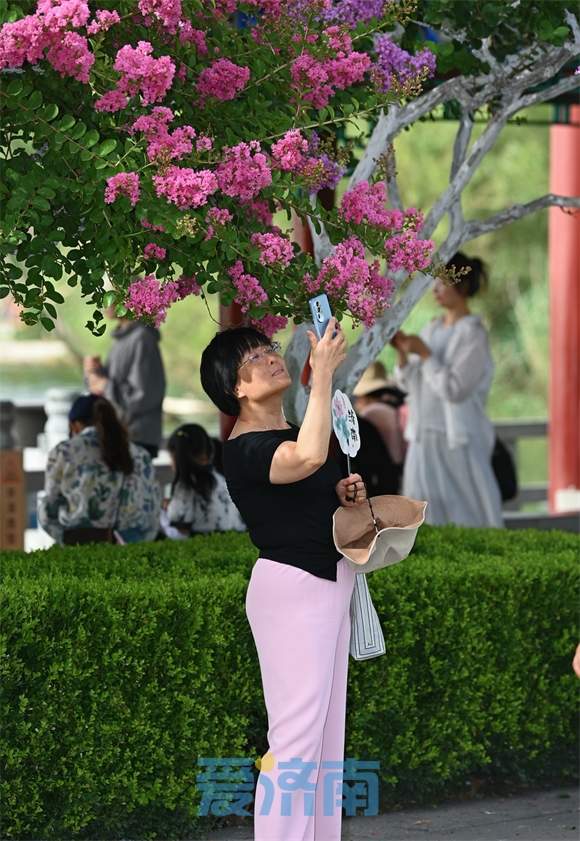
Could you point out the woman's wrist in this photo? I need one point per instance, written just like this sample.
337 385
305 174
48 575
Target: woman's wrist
321 380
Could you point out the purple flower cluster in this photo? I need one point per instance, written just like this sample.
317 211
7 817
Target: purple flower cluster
393 61
352 12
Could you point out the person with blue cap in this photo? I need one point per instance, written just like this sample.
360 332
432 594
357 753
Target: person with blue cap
99 487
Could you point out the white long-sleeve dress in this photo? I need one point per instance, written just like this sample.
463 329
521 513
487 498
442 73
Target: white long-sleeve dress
450 437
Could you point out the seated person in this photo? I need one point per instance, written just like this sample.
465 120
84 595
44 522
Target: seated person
378 400
97 482
200 502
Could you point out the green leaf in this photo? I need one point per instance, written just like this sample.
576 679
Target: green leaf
52 293
49 112
52 269
66 123
38 201
79 130
90 138
560 33
14 272
34 101
100 163
4 291
109 298
47 323
15 87
107 147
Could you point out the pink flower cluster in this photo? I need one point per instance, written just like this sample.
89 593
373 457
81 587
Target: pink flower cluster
147 224
223 80
70 56
154 252
203 143
273 248
165 12
103 21
122 184
140 74
168 15
249 288
347 274
33 36
289 153
405 251
269 324
187 286
293 153
160 143
318 80
58 14
186 187
148 298
259 209
244 172
189 35
219 216
365 204
226 7
338 39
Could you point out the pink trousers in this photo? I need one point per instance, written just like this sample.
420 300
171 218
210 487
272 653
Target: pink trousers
301 628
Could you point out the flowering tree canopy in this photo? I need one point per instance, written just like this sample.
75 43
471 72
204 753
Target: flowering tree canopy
148 143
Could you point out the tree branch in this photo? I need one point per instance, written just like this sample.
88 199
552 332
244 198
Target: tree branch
517 211
460 147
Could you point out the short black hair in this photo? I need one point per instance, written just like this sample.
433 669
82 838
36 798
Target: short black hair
477 277
220 362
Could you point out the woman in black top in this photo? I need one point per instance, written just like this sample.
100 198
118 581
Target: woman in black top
286 488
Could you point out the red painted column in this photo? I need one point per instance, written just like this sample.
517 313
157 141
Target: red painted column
564 267
230 316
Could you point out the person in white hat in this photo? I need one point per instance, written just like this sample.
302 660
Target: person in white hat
370 404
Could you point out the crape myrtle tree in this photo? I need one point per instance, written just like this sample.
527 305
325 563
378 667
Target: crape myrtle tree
147 143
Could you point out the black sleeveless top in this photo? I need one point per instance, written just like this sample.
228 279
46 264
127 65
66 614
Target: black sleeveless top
291 523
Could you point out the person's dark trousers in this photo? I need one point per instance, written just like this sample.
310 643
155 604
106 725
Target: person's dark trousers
151 448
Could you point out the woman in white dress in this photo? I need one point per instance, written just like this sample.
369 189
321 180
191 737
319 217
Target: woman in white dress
447 372
200 502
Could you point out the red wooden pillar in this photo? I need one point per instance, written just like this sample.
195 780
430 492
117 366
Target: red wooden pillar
564 266
230 316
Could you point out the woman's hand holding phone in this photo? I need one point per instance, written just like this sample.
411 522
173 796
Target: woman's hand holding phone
329 352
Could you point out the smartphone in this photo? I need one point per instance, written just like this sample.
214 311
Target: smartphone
321 313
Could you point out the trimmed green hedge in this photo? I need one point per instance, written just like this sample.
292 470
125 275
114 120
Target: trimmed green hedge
122 665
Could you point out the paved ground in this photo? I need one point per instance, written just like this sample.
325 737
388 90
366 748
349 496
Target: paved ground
535 816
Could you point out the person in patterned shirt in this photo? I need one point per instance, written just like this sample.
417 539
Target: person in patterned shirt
98 482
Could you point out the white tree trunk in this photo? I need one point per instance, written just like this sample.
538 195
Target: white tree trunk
507 83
